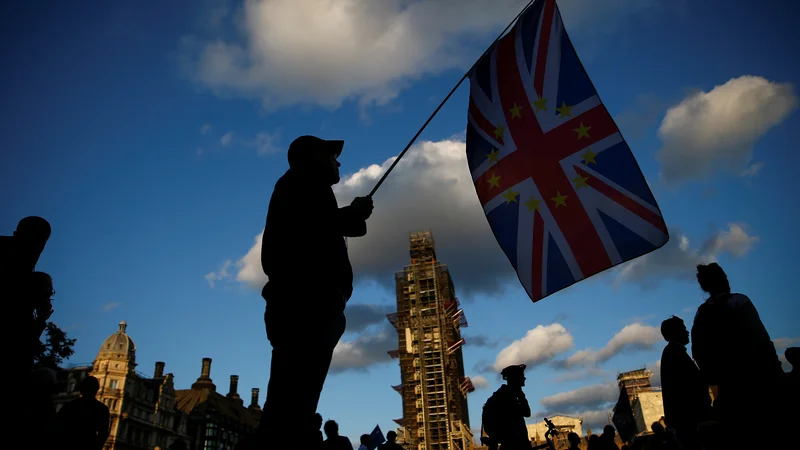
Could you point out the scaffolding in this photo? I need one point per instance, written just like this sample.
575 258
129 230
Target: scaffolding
428 323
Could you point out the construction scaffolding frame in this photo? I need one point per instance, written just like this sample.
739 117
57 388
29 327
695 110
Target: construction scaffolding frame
428 323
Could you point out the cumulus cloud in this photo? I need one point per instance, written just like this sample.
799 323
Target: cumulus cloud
582 398
480 382
631 338
366 350
327 51
226 139
429 189
718 129
752 170
361 316
678 259
205 128
539 346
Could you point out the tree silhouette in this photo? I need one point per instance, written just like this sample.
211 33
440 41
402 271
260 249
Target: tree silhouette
56 348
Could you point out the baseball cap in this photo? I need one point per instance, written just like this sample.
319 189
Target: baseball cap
303 146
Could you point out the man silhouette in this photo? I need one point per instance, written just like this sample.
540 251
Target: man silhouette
304 255
505 411
334 441
390 444
685 392
734 352
85 420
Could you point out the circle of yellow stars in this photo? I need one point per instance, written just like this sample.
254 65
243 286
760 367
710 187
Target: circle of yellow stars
559 200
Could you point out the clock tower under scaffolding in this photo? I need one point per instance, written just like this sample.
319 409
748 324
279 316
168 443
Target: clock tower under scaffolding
428 323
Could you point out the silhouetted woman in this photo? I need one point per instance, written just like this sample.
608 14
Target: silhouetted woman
734 351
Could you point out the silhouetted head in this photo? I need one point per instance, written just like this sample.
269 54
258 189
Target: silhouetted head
712 279
317 421
514 375
593 440
657 428
41 286
331 429
391 436
674 330
89 386
792 355
33 230
365 439
609 431
316 157
573 439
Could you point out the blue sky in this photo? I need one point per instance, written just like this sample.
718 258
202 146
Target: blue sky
150 136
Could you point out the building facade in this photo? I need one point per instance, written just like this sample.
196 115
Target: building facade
428 323
216 421
143 410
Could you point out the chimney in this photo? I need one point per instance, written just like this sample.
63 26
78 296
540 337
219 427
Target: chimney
232 393
254 400
206 372
204 382
159 373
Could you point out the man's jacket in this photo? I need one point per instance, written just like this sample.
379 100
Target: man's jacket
303 250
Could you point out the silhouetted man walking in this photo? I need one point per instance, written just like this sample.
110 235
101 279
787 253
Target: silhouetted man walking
85 421
505 411
304 254
685 392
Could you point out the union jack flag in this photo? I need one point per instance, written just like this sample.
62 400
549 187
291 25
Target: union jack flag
560 187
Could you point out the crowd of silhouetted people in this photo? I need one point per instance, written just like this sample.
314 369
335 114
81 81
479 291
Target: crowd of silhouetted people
27 297
733 356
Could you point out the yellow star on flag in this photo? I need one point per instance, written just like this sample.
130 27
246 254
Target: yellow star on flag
493 155
540 104
583 131
532 204
510 196
588 157
580 182
565 110
494 181
560 199
515 111
498 132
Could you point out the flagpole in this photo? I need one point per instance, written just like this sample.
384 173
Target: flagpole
436 111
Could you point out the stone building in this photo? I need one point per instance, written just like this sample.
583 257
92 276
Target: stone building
143 410
216 421
648 407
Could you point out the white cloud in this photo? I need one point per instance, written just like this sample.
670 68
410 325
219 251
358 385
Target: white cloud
678 259
632 337
539 346
222 274
431 189
365 351
327 51
266 143
226 139
480 382
752 170
582 398
718 129
205 128
111 305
